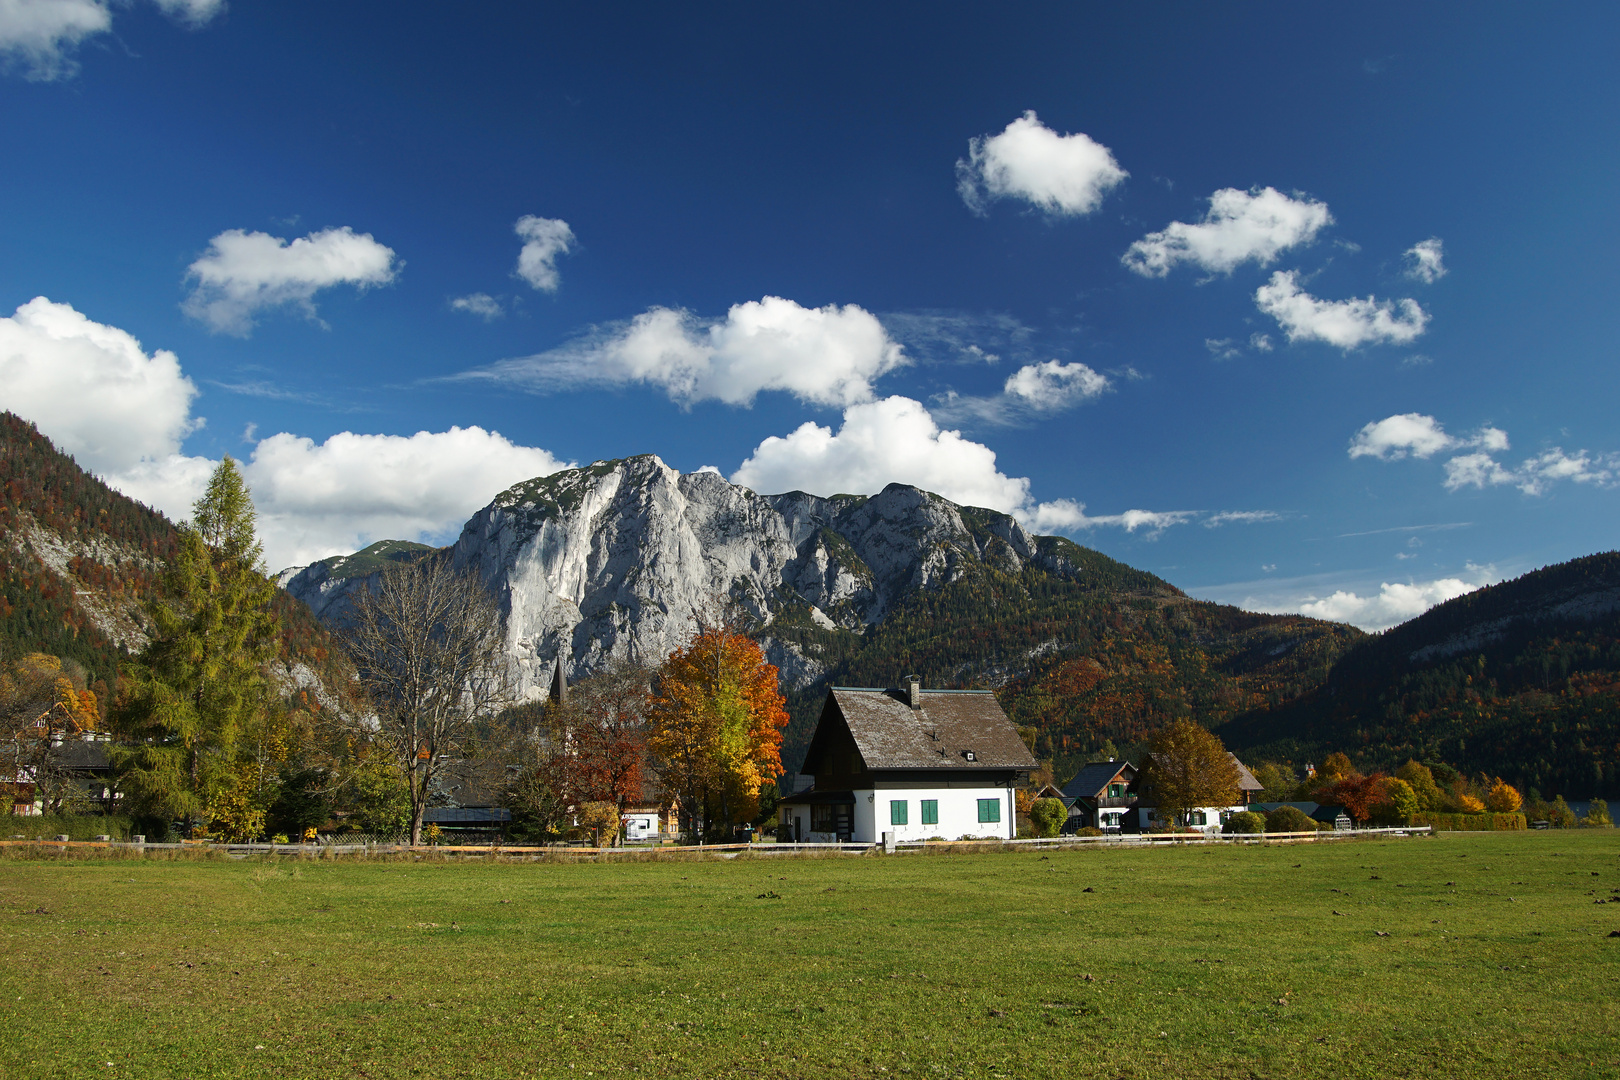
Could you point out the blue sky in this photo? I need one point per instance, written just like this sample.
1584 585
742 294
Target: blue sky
1301 308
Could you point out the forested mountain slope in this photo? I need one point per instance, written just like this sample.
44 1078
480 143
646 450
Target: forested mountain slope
1520 680
78 562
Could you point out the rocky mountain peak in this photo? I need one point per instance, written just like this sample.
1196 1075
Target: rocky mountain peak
629 556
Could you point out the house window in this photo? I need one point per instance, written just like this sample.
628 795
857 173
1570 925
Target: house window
989 811
897 812
1196 817
824 818
930 811
1110 821
1116 791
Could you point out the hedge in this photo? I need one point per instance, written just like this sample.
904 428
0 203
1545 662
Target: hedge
1470 822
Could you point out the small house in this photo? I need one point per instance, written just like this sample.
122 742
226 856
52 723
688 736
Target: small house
918 763
1106 795
1101 796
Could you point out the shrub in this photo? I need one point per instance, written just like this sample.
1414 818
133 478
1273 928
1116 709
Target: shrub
1504 797
1561 816
1400 801
1470 822
74 826
1048 816
1597 816
1089 830
1289 819
1245 822
1469 804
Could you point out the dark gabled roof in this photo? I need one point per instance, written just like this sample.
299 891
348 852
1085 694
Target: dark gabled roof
1246 780
890 734
78 754
1091 781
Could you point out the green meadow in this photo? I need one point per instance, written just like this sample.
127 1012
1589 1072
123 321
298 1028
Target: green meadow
1457 956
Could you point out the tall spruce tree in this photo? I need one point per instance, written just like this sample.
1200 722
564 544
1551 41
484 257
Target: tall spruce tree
198 685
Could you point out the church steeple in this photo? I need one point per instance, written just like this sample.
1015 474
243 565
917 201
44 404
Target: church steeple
559 683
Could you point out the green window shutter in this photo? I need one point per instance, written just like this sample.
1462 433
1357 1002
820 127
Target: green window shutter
989 811
897 812
930 811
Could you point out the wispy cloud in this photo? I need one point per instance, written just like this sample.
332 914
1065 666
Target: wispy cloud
483 305
1425 261
1030 393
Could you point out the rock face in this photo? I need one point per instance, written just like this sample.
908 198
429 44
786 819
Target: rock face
627 557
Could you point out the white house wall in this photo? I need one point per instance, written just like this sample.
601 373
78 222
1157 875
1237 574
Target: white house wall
958 813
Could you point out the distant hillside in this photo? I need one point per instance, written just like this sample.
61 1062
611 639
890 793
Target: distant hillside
1520 680
78 562
1104 654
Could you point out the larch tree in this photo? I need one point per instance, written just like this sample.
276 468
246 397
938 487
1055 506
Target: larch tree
1186 767
199 684
428 647
717 717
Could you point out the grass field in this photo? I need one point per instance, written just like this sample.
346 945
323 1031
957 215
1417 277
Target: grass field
1181 962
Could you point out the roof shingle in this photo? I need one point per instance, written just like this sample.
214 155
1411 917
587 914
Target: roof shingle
950 724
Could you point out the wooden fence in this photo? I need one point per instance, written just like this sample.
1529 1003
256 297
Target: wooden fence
504 852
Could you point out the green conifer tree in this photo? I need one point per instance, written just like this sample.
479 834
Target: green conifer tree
198 685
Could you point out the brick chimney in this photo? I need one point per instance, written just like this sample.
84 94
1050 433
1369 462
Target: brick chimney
914 691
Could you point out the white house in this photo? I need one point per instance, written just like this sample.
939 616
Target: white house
1106 795
918 763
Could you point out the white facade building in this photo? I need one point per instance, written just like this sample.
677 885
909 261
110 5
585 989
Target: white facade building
923 764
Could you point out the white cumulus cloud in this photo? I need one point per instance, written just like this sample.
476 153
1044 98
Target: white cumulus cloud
334 497
1348 324
1421 436
1425 262
544 239
1418 435
896 440
1240 226
124 413
243 273
1033 391
40 36
1533 475
1395 602
1061 174
92 388
828 355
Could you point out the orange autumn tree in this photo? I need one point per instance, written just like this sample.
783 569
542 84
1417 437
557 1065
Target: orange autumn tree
717 718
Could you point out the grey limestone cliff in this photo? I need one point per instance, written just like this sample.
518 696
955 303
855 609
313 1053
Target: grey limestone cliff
627 557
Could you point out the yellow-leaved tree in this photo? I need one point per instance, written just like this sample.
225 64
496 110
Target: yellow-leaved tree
717 717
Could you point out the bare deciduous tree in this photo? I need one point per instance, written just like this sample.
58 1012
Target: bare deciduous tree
427 645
